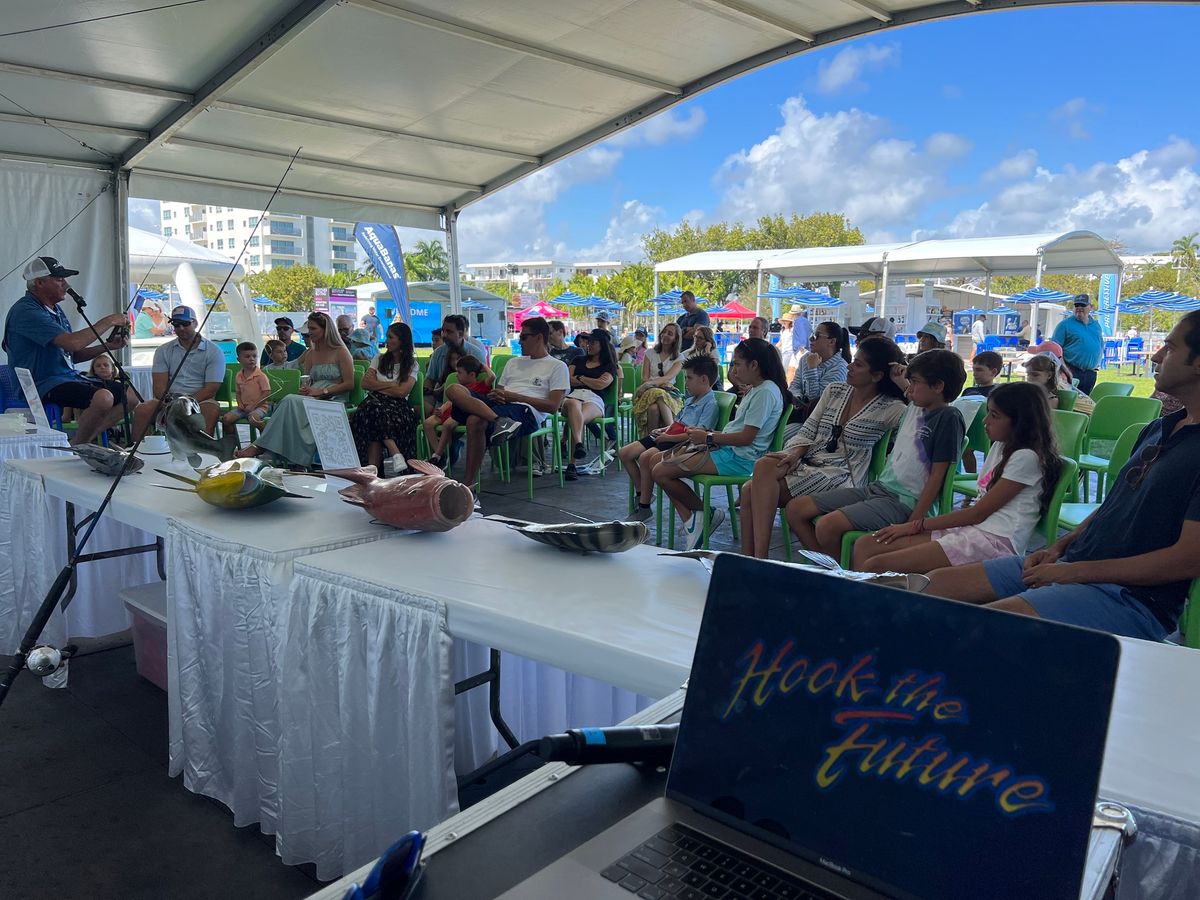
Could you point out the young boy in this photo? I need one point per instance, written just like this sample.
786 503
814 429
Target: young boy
699 411
986 369
928 443
253 388
277 353
472 376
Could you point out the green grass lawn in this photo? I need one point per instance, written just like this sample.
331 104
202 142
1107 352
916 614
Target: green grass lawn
1142 386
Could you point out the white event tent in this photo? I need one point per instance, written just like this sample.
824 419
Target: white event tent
401 112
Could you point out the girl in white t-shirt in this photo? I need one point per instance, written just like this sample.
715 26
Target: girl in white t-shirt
1018 477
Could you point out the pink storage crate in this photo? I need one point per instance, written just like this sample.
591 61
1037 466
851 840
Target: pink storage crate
147 608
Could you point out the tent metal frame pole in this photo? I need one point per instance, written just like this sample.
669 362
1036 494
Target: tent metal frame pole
656 304
881 293
758 296
451 218
1037 282
121 269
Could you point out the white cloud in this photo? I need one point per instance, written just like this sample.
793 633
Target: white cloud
511 224
664 128
1070 116
1019 165
1145 200
145 214
844 162
623 237
844 70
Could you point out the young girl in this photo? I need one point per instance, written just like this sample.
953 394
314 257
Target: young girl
591 376
1018 477
733 451
1049 373
657 401
475 377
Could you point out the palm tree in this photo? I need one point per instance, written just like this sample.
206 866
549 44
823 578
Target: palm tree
428 262
1184 250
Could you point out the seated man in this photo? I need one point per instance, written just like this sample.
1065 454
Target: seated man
38 337
201 376
454 338
531 387
285 330
1126 568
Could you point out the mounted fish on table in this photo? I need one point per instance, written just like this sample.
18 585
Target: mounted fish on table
108 461
180 419
581 537
424 501
236 484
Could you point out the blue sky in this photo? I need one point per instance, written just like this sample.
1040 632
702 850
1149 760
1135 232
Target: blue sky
1013 122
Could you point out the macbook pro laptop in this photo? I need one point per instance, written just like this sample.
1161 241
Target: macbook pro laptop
846 740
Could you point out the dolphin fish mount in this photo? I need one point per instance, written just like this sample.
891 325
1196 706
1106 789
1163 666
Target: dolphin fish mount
182 422
236 484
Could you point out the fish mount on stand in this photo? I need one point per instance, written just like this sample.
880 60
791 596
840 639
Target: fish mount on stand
182 422
581 537
105 460
236 484
424 501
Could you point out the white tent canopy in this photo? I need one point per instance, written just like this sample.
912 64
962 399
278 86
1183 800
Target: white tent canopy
153 259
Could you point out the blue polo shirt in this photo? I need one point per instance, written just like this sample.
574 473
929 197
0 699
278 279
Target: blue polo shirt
29 333
1083 345
1136 520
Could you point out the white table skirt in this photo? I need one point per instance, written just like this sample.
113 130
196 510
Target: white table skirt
367 711
33 549
224 636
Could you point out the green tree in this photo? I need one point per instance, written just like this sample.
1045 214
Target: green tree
583 285
1184 252
427 262
291 288
556 287
500 288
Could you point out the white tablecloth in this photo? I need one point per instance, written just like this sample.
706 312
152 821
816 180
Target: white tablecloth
367 710
33 549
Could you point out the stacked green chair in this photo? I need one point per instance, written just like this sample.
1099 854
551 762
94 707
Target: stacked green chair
1074 513
1109 420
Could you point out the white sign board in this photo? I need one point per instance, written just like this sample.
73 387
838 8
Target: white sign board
330 428
31 397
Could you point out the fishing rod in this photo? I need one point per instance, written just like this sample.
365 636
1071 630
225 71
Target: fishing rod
49 660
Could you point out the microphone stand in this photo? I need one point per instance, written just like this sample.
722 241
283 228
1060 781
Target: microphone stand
126 382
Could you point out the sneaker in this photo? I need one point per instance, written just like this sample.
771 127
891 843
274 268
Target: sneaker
643 514
394 465
716 517
438 461
580 453
502 430
571 473
693 531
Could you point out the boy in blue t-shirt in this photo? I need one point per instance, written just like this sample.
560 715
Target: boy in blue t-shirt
928 443
699 411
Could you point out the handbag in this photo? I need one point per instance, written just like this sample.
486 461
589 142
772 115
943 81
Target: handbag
689 457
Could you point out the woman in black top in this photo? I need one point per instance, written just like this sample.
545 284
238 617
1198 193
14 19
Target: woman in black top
590 378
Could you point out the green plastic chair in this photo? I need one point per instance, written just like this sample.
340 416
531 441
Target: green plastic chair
1047 525
227 392
357 395
1069 429
499 361
966 483
703 484
551 428
1109 421
878 460
1066 399
1074 513
725 401
283 382
631 379
1189 620
1111 389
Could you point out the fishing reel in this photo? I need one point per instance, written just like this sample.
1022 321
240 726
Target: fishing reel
46 660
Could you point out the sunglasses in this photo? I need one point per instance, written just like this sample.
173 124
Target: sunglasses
283 327
1149 457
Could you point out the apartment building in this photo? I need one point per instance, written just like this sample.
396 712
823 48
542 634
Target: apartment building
281 241
534 276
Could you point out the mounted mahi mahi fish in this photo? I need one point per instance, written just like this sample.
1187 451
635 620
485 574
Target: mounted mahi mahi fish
236 484
181 421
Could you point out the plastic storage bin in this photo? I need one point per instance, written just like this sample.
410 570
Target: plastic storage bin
147 607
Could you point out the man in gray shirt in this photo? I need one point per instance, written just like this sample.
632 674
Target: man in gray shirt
201 377
693 317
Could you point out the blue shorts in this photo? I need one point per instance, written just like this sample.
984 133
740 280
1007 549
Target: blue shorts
518 411
729 463
1103 607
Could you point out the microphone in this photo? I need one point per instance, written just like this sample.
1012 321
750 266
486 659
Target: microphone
652 744
79 301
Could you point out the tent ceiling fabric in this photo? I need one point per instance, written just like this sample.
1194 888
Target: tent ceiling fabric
1072 251
403 111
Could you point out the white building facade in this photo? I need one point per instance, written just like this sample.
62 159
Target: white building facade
535 276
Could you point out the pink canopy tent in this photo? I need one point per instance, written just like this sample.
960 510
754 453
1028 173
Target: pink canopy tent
541 308
733 310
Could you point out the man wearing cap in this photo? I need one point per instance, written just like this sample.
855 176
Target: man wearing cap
931 336
285 331
602 320
1082 341
201 372
38 337
693 317
876 325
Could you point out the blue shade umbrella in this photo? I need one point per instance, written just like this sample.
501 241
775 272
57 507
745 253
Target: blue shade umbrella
1158 299
262 301
147 294
1002 311
474 304
674 296
1039 295
798 294
570 298
971 311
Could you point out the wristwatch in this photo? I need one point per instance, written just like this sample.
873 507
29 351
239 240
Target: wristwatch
709 442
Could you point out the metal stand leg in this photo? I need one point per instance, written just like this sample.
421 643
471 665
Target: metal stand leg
490 677
73 529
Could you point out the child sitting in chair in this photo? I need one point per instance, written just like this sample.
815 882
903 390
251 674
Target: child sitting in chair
478 380
253 389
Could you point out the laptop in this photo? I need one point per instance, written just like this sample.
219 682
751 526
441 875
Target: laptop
847 740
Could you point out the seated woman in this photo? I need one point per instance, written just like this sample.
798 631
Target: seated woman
590 378
385 419
328 364
704 343
1018 478
734 450
657 401
834 445
824 364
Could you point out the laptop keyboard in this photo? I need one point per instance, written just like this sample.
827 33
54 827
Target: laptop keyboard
682 864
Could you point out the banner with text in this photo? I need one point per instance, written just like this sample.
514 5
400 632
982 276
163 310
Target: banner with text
1106 303
383 249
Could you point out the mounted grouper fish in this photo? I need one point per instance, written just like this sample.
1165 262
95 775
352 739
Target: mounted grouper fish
182 422
237 484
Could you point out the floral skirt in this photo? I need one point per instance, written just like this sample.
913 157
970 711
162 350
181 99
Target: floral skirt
649 397
383 418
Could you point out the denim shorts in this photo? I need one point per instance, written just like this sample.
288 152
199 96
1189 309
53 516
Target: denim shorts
1103 607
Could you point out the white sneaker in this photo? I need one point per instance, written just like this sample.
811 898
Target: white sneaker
394 465
716 517
693 531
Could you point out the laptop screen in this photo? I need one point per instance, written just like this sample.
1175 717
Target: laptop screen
922 747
